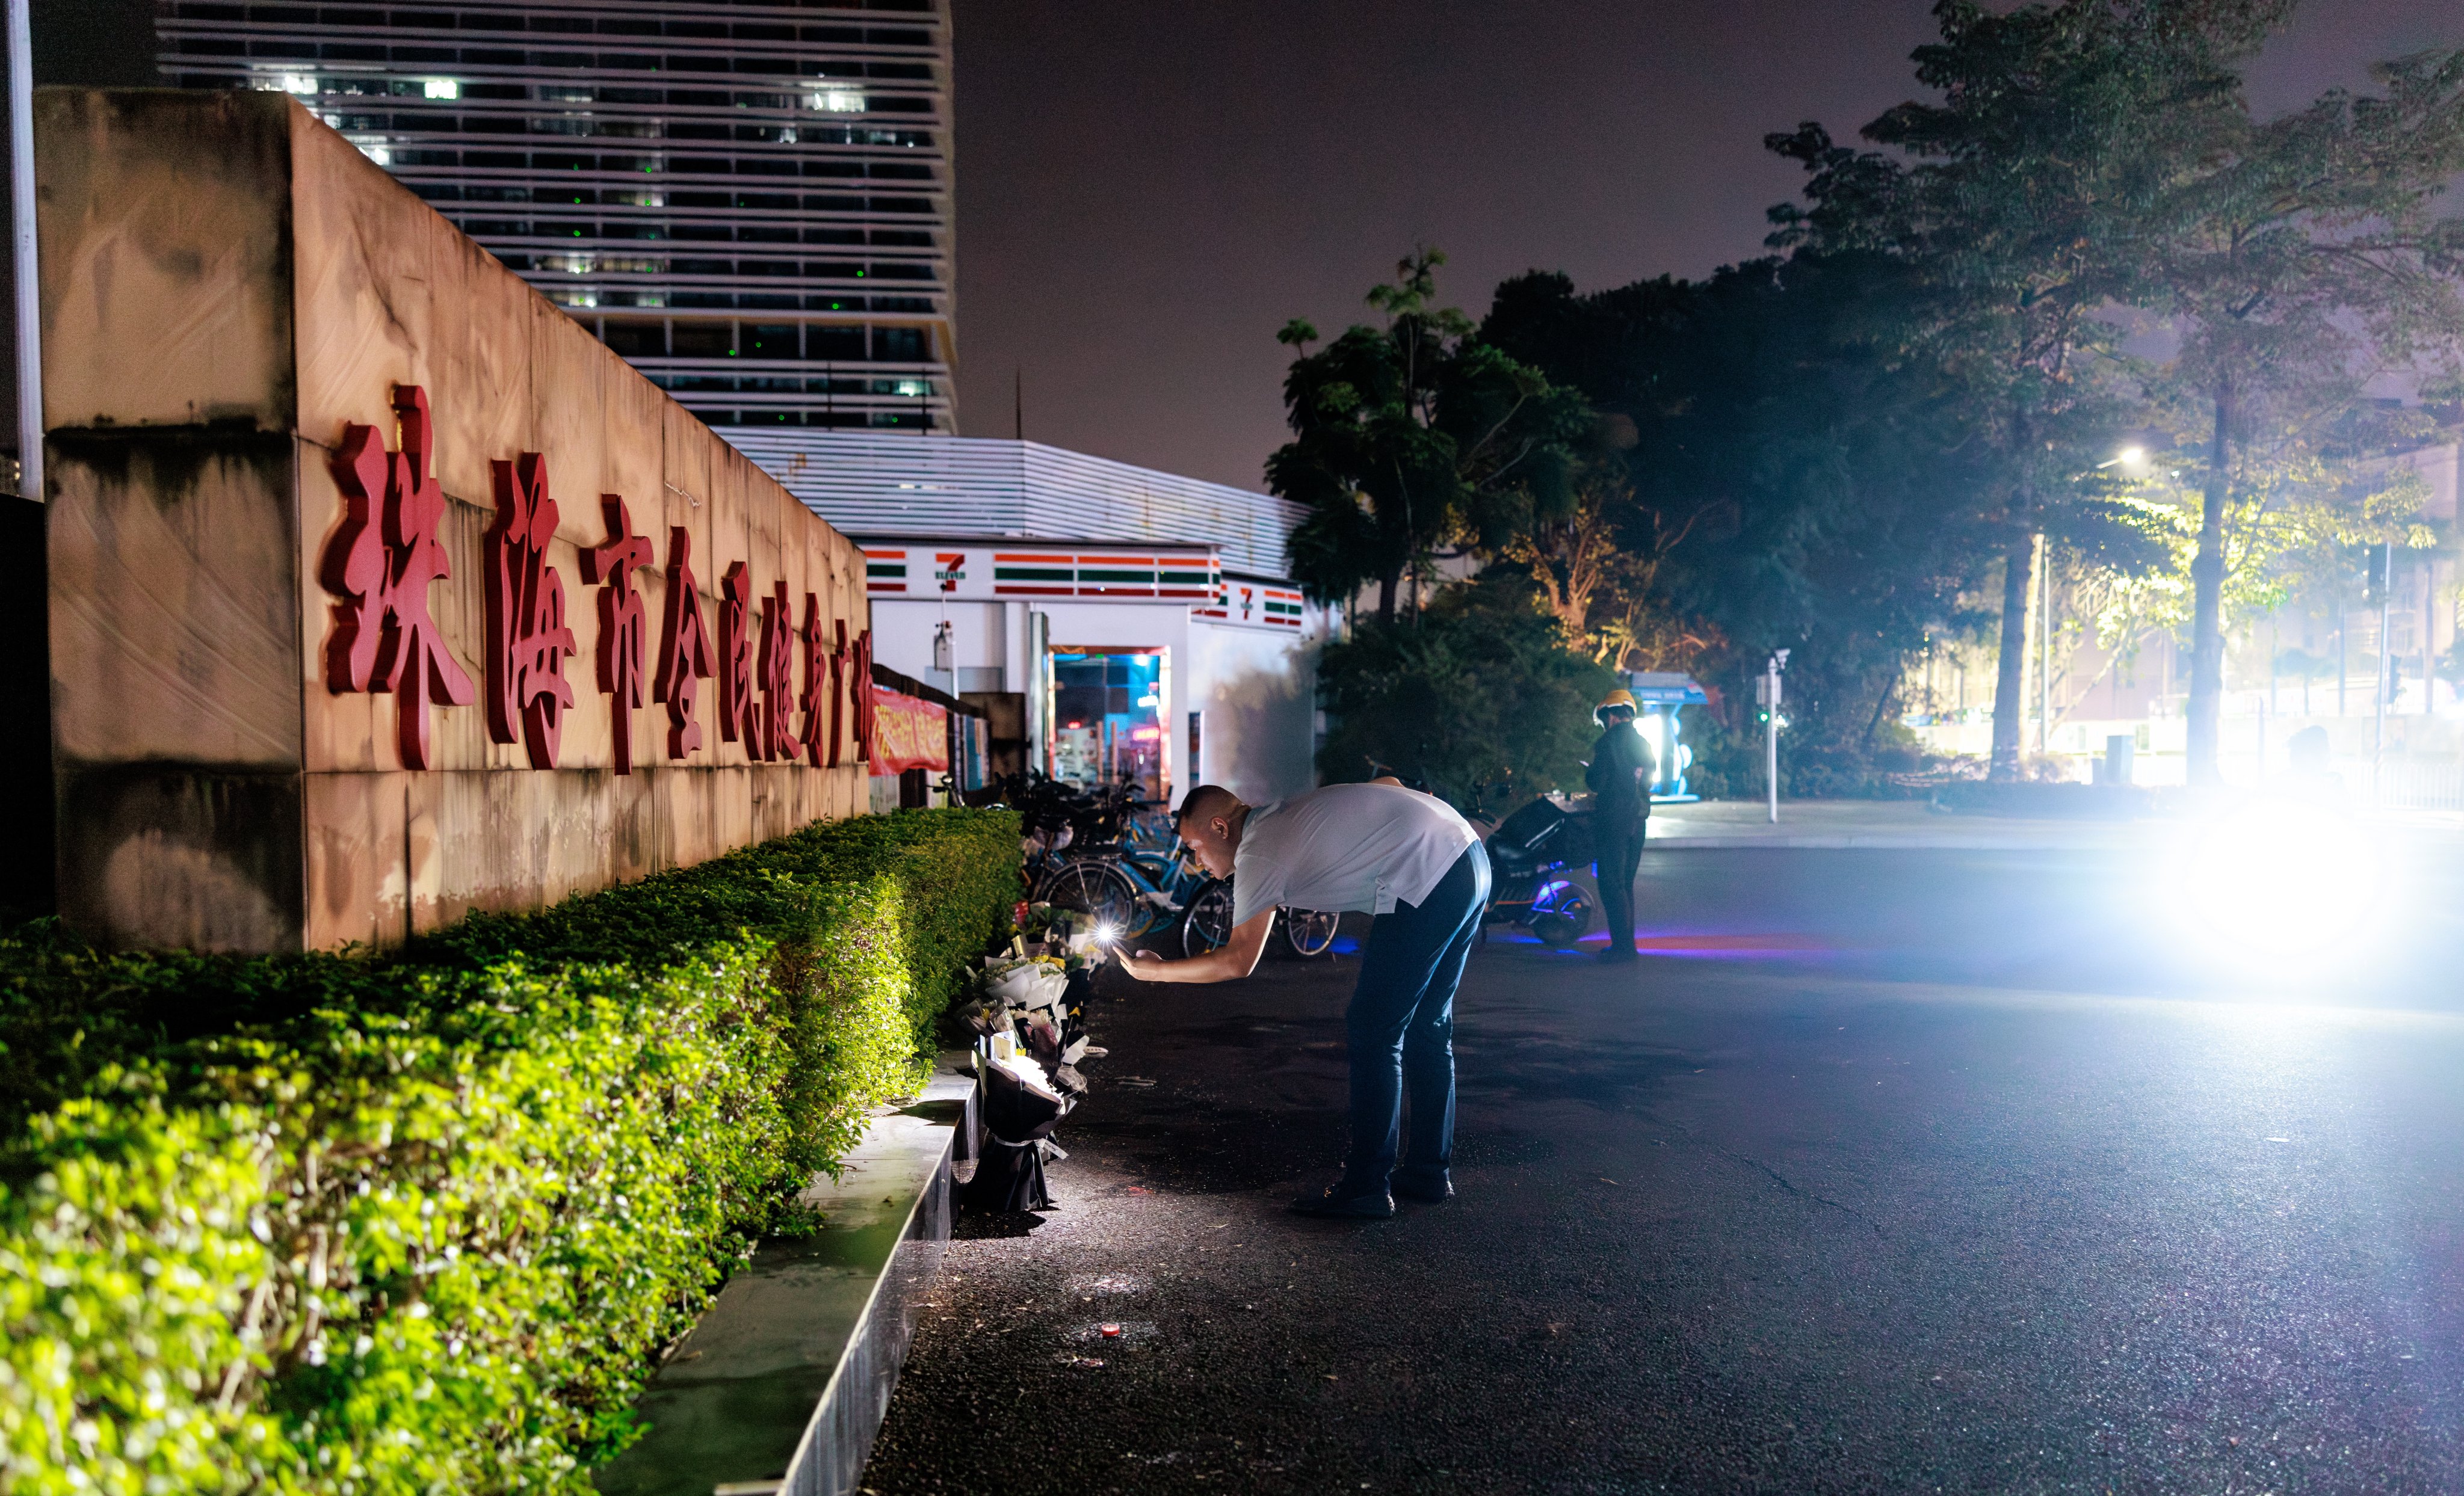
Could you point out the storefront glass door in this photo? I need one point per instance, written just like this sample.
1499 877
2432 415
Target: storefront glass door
1108 712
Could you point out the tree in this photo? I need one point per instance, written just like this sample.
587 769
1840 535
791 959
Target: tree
1478 691
2020 206
1411 439
2301 259
1792 480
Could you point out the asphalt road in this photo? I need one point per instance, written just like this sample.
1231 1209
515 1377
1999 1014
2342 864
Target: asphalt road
1884 1172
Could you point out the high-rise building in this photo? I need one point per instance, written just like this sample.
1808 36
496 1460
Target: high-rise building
750 201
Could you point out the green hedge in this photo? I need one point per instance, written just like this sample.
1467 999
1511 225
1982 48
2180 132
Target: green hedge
420 1221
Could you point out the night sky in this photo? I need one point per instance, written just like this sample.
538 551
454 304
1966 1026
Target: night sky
1147 192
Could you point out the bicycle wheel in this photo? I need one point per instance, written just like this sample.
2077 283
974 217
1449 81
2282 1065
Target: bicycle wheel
1311 932
1098 891
1208 924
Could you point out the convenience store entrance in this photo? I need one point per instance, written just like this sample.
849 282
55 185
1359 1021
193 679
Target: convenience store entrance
1108 708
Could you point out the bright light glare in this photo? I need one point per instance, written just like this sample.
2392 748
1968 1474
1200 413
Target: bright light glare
443 88
2133 456
1107 933
2281 878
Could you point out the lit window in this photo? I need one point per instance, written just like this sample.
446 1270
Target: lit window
836 100
912 387
296 83
443 88
374 147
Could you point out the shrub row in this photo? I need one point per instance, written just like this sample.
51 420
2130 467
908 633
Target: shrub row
421 1220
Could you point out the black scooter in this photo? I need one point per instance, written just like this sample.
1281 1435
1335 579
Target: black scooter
1540 872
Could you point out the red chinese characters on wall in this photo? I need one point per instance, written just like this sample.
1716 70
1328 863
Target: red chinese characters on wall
817 700
775 665
736 658
860 691
623 623
527 637
387 556
684 648
381 564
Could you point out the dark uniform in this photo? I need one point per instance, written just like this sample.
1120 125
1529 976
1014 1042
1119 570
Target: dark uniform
1619 780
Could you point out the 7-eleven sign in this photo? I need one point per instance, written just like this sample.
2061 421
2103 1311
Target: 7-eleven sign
949 570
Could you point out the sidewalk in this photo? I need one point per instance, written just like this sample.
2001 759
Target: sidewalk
1879 824
1902 825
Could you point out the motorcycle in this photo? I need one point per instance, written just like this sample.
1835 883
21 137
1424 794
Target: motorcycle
1540 872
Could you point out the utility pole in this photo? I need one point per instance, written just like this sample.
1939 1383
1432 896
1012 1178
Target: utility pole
30 295
2378 728
2343 668
2429 697
1770 693
2044 653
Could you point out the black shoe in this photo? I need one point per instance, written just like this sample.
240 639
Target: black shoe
1344 1207
1612 957
1437 1194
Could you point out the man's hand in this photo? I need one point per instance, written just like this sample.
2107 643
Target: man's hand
1236 958
1144 965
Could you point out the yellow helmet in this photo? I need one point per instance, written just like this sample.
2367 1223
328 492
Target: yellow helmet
1619 697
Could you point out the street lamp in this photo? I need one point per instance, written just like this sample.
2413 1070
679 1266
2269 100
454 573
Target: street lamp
1767 689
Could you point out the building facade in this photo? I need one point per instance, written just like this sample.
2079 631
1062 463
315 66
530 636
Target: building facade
1143 617
750 202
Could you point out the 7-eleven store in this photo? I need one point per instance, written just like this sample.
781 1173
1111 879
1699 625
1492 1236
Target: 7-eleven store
1141 660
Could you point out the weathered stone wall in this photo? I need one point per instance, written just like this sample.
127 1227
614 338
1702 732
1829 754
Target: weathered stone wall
227 286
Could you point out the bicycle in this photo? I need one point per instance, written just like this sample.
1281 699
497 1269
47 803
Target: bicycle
1308 932
1131 890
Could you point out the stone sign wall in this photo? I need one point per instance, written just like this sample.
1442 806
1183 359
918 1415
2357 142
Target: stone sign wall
380 589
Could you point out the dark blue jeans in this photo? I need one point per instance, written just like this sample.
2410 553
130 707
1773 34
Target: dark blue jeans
1400 1028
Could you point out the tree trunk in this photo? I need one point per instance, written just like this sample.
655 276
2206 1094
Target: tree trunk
1386 585
2010 685
2207 605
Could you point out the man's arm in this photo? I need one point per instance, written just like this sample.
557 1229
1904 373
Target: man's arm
1235 957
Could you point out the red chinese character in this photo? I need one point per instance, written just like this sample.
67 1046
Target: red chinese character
821 670
380 563
527 639
735 659
777 666
684 648
860 687
622 620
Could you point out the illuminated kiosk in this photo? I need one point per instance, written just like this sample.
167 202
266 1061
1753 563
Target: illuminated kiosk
1661 694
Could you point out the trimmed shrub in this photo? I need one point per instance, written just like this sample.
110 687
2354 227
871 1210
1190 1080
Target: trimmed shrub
420 1221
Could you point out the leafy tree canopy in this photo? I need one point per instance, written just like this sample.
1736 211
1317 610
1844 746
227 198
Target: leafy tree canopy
1413 438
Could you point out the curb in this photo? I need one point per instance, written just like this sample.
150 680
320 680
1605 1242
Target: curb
782 1385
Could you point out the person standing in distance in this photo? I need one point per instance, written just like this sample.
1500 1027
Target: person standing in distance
1619 777
1419 867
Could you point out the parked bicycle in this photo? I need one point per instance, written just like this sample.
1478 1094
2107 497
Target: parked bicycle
1130 890
1309 931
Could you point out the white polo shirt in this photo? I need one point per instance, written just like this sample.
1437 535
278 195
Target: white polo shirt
1347 846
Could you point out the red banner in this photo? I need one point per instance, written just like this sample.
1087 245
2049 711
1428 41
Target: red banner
908 734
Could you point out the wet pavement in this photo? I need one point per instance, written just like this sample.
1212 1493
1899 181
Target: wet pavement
1885 1171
